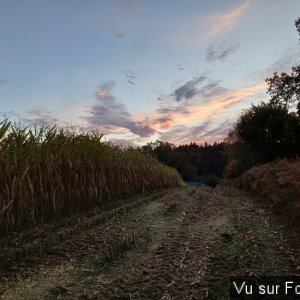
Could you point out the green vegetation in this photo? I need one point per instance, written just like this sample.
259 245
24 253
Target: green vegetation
263 133
203 163
48 173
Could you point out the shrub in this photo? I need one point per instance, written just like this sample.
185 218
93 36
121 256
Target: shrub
212 180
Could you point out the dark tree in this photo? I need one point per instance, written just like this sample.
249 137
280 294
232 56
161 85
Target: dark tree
270 129
297 24
193 162
284 89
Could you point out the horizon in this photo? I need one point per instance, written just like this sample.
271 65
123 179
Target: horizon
141 71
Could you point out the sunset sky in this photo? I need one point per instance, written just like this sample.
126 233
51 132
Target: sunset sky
142 70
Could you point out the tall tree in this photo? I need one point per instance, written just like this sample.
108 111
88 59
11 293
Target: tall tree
284 89
270 129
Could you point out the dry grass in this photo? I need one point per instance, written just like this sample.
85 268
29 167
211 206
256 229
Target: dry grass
48 173
279 183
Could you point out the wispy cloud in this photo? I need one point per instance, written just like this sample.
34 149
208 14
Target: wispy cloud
212 88
201 86
37 116
173 109
199 129
108 111
189 89
180 67
182 134
176 135
130 77
286 59
200 133
205 29
218 133
8 114
215 53
3 81
119 34
218 102
123 143
200 116
165 122
174 121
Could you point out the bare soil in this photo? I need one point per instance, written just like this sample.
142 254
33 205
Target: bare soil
182 243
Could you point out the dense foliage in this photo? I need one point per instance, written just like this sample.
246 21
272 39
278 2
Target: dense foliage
262 133
284 89
193 162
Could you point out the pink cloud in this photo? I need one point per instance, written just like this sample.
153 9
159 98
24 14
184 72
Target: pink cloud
201 30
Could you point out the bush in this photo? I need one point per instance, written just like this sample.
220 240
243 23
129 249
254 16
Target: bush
263 133
232 169
212 180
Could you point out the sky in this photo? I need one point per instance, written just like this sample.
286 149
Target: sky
142 70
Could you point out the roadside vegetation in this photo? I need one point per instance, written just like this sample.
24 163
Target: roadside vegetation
48 173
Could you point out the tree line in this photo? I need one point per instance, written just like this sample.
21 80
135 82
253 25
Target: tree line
204 163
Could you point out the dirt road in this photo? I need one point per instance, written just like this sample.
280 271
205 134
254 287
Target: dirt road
177 244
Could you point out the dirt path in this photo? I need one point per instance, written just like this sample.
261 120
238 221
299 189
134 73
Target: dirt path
183 244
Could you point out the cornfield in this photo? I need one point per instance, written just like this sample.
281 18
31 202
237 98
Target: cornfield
48 173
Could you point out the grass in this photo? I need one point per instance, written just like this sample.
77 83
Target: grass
48 173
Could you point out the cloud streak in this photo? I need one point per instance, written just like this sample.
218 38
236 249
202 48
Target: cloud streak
189 89
194 121
201 30
200 86
286 59
200 133
130 77
190 113
218 53
108 111
40 116
218 102
164 122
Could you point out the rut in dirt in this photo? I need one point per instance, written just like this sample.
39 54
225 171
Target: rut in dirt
183 244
